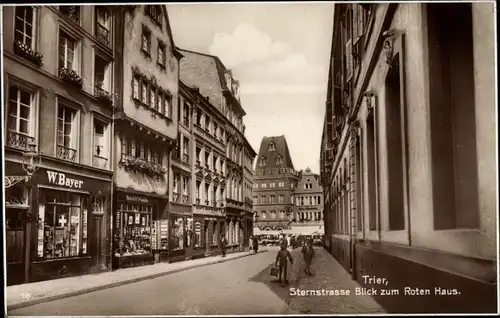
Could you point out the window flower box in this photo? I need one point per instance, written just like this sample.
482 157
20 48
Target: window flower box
71 77
140 164
28 53
103 95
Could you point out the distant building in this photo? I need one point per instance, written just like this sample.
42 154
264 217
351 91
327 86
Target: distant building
274 182
308 210
408 160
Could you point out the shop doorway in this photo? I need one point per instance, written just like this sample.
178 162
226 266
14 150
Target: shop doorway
15 243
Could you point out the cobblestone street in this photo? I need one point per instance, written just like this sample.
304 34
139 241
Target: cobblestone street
237 287
328 274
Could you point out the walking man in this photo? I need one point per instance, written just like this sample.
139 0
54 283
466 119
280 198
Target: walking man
223 244
282 262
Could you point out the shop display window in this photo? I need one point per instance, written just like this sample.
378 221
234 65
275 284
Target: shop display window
189 230
178 233
137 228
164 235
62 225
215 234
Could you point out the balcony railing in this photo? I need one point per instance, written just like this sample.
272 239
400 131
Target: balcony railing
102 34
185 158
175 197
99 162
66 153
102 94
20 141
185 199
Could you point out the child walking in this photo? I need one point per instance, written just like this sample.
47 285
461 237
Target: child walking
281 260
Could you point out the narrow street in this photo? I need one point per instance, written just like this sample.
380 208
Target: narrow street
236 287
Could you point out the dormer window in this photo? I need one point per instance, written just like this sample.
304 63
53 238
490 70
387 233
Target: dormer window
262 161
156 14
279 160
272 146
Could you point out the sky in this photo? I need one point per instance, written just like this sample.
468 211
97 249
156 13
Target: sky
279 52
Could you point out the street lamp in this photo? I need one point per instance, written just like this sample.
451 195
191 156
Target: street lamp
31 162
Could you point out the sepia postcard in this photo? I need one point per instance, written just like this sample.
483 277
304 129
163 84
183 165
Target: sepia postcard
249 158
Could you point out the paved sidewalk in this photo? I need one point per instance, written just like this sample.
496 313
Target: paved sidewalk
328 274
19 296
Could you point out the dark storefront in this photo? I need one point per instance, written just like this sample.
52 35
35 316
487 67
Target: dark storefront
181 232
136 228
56 226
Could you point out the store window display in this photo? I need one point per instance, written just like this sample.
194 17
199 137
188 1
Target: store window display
178 234
137 221
62 227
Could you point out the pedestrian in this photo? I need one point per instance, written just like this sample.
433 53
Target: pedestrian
223 244
289 240
282 262
308 254
255 244
292 241
250 243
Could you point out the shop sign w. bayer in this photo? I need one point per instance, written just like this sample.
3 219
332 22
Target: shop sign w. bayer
72 182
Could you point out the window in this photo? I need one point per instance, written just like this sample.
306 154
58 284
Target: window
281 184
67 133
136 81
263 200
71 12
175 182
165 104
263 214
20 119
102 80
279 160
452 112
186 114
101 140
256 185
145 93
102 25
282 214
372 183
146 41
185 186
272 185
67 52
62 225
281 199
162 58
263 186
273 199
262 161
273 214
25 22
272 146
255 200
156 14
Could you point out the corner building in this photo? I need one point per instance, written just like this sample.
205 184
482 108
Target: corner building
275 180
59 99
308 208
407 158
146 76
221 155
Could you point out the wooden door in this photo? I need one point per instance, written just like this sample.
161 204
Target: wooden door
15 242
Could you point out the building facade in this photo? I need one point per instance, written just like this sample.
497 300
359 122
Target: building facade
408 177
308 209
275 180
146 130
58 99
222 155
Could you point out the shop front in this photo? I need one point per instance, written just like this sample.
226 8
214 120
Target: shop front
136 239
56 226
234 229
181 232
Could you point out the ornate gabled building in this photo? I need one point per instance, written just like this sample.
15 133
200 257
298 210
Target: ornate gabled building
146 130
308 208
224 156
408 162
274 182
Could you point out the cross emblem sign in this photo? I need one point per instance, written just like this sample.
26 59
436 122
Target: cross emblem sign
62 220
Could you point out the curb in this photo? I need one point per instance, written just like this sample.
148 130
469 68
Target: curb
29 303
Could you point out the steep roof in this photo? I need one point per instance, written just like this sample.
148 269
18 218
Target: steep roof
282 150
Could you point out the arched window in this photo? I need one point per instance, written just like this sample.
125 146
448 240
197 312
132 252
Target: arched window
273 214
272 146
263 214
